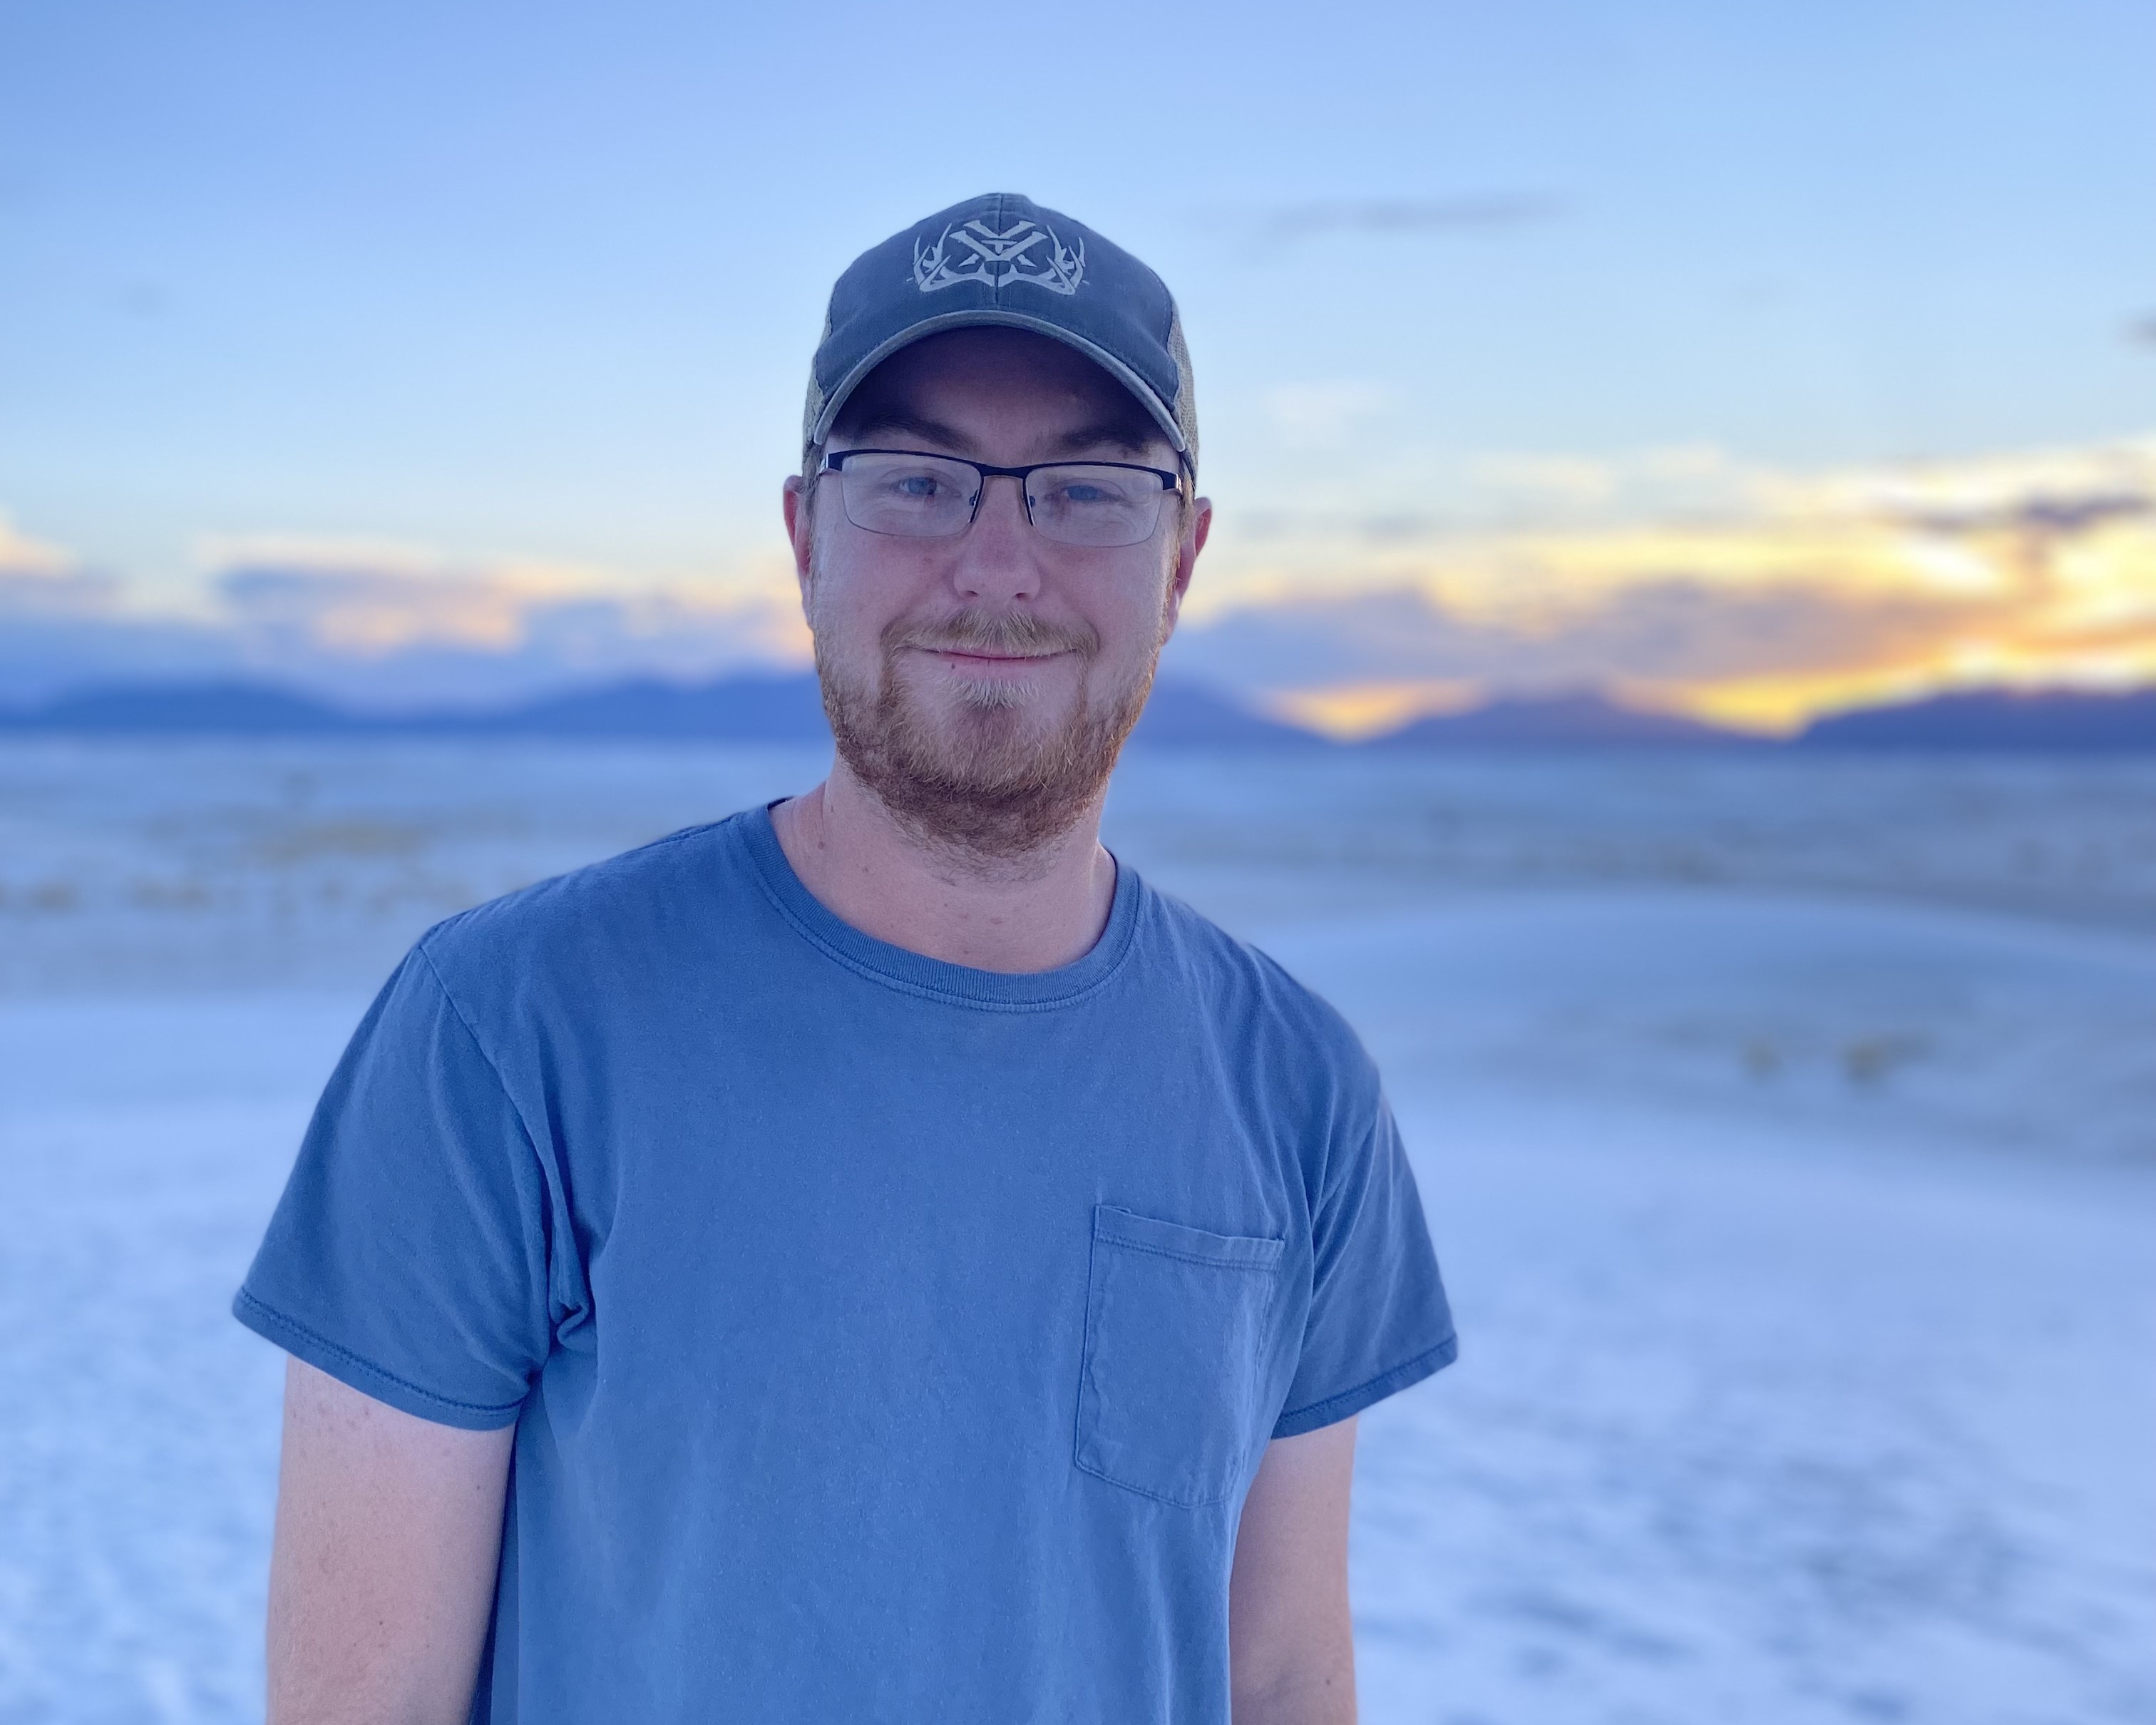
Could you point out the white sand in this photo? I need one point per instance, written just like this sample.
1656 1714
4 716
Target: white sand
1791 1148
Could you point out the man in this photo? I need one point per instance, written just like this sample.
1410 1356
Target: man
873 1258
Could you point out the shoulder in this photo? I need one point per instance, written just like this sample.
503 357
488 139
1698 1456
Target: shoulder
1282 1057
591 923
1259 1000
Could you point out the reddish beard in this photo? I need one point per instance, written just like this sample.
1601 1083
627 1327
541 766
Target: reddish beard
982 780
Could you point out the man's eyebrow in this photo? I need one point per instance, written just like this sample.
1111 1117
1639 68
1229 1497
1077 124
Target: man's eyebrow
879 420
1118 435
1115 434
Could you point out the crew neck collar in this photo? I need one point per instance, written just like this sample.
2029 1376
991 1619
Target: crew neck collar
916 974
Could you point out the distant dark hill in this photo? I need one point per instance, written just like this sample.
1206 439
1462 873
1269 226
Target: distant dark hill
751 707
1560 722
789 707
2063 721
1191 716
185 709
784 707
765 706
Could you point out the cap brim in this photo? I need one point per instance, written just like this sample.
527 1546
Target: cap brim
989 318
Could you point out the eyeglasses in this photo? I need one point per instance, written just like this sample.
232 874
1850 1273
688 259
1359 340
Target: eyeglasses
916 495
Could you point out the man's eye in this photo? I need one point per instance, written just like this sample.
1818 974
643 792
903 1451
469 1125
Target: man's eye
920 485
1085 493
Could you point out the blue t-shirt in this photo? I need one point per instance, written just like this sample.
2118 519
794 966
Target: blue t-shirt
886 1339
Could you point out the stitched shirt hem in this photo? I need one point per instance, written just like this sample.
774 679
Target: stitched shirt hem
1334 1408
363 1375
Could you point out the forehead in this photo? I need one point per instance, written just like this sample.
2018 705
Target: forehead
1000 384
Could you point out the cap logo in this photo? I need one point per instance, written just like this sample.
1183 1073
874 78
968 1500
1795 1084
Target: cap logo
974 251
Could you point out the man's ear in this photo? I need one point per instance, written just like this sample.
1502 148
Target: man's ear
1196 524
798 503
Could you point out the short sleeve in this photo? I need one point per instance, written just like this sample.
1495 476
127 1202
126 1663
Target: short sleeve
1378 1319
408 1256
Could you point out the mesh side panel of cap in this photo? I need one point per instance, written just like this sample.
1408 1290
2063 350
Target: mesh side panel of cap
813 410
1186 390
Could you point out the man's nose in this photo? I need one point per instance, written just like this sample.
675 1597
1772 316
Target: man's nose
999 554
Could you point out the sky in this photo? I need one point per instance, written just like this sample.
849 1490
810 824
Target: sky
1744 361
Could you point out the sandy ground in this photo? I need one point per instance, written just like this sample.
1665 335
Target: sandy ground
1791 1141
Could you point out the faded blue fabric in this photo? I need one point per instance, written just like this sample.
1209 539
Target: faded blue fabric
886 1340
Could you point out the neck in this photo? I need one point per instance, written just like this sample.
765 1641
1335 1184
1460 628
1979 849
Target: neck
1026 913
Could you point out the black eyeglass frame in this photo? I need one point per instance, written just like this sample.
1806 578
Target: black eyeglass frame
835 461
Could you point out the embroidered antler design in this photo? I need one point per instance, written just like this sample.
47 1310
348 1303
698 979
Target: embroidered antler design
929 270
999 258
1066 267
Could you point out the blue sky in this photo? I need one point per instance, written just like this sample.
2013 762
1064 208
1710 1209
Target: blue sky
540 283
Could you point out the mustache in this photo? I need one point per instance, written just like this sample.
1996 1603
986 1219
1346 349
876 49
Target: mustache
1015 633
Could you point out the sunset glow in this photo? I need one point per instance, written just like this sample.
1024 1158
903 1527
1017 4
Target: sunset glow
1803 594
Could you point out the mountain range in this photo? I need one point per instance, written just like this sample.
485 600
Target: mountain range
784 707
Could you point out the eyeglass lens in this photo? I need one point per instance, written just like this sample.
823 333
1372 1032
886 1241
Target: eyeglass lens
926 497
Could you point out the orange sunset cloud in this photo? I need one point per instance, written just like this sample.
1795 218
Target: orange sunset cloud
1791 595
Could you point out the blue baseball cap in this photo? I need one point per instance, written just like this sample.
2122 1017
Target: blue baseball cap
1002 261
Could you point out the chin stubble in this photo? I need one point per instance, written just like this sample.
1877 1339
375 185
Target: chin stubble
985 785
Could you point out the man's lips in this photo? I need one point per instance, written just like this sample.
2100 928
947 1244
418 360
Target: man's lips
974 655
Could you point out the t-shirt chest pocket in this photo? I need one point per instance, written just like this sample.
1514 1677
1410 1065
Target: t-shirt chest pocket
1175 1336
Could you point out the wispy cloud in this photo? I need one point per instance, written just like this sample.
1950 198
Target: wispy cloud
391 623
368 600
1676 642
62 623
35 571
1568 481
1648 481
1323 415
379 625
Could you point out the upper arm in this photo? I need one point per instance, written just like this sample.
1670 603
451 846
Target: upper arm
381 1576
1377 1319
418 1253
1292 1645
